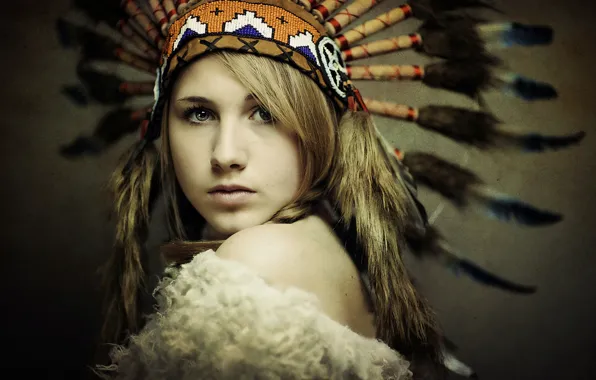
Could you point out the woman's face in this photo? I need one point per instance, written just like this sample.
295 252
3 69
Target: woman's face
219 135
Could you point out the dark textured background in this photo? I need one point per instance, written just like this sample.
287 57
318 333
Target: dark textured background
55 230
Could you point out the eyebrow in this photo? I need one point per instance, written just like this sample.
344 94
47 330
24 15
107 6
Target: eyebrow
201 99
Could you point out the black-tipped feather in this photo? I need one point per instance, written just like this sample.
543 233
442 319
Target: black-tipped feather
484 277
450 180
484 131
454 37
111 128
93 46
464 77
538 143
104 88
431 245
508 209
463 125
465 188
529 35
108 11
529 89
424 9
76 94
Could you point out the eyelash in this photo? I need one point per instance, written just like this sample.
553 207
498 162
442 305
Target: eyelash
195 109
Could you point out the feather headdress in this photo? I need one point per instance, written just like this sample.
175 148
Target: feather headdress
319 39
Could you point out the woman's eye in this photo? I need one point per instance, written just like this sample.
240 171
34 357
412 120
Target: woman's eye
197 115
264 115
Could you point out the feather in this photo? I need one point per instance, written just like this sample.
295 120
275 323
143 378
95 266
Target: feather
470 78
104 88
506 208
465 77
431 245
453 364
507 34
110 89
465 189
525 88
537 143
97 47
76 94
424 9
108 11
484 131
110 129
454 38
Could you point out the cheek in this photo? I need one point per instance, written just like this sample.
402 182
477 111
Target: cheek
286 168
187 158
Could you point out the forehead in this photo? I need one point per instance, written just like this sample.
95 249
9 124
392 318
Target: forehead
208 77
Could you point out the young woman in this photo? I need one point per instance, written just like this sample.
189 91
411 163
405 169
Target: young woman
251 151
288 211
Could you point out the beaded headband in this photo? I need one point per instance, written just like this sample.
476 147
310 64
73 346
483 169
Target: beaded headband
277 29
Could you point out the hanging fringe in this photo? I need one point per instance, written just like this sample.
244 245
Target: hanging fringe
464 189
111 128
431 245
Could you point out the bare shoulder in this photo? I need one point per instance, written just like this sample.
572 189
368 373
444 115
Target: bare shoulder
280 252
264 248
301 255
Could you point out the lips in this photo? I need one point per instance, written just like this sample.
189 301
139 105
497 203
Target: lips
230 189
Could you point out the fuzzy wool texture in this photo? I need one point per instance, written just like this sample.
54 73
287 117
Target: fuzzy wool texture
216 319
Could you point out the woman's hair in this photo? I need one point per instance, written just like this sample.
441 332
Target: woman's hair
342 163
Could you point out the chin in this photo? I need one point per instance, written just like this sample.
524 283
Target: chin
225 225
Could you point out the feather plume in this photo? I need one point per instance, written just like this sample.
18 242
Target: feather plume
452 362
424 9
110 129
110 89
507 34
465 77
97 47
524 88
485 131
108 11
454 37
431 245
464 188
456 366
465 37
76 94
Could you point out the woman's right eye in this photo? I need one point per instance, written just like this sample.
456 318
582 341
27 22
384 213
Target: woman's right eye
197 114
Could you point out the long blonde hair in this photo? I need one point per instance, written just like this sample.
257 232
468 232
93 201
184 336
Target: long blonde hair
342 163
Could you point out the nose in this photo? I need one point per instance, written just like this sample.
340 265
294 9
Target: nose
229 151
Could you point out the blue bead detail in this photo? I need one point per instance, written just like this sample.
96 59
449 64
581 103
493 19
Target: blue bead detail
248 30
307 53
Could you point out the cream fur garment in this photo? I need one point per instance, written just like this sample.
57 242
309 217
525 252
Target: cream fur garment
216 319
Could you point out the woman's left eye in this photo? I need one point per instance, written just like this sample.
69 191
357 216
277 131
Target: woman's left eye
264 114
